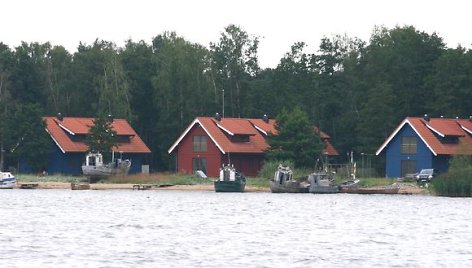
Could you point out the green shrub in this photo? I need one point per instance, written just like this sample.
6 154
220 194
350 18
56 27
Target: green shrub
456 183
269 167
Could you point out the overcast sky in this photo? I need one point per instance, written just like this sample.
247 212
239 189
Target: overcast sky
278 23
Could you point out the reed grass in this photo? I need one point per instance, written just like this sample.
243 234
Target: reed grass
455 183
371 182
160 179
49 178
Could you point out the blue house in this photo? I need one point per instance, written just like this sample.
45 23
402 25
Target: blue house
423 142
69 148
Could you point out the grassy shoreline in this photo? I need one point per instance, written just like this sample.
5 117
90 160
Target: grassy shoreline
174 181
152 179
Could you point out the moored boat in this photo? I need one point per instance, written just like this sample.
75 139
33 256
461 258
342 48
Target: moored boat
283 182
95 169
349 185
230 180
7 180
389 189
322 183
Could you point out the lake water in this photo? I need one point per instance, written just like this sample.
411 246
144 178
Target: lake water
121 228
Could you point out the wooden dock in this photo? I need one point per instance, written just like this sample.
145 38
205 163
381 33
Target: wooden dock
28 185
142 187
80 186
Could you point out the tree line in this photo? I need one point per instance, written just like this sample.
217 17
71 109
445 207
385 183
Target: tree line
356 91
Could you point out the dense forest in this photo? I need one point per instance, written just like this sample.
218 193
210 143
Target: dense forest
357 91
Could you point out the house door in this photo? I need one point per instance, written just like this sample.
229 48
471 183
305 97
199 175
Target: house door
408 167
199 164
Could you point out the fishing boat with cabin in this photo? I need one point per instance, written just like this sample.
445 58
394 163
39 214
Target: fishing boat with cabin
230 180
95 169
283 182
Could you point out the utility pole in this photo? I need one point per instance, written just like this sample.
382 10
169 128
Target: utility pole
223 103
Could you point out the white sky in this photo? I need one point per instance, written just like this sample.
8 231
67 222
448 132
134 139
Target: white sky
278 23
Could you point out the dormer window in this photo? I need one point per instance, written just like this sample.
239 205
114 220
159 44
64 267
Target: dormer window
240 138
450 140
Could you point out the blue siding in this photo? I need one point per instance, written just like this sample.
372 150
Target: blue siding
394 157
424 157
69 164
136 161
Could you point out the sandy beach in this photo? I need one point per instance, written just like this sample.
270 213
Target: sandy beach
405 188
128 186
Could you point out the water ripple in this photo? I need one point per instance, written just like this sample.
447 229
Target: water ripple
62 228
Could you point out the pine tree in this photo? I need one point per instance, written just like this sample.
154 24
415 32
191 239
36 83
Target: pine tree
296 139
101 137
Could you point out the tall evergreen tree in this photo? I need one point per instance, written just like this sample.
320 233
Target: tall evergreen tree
101 137
28 140
296 139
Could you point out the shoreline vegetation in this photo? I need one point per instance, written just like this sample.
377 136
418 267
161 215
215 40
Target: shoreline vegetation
172 181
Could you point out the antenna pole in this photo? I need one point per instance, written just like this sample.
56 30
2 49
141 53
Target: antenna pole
223 103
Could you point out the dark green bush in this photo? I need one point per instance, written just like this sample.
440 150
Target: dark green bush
456 183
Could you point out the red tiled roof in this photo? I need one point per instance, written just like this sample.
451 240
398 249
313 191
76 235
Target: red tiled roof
257 129
263 126
61 132
236 126
429 131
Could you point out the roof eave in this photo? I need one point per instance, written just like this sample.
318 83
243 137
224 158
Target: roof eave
66 129
171 149
466 129
225 130
387 141
55 141
435 131
261 130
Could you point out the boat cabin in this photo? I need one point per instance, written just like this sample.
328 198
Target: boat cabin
227 173
94 159
283 174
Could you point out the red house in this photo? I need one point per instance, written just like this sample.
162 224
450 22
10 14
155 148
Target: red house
208 143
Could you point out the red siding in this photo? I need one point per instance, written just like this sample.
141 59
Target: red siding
248 164
186 154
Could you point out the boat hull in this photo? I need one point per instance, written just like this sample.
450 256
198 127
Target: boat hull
287 187
371 191
322 183
7 182
230 186
317 189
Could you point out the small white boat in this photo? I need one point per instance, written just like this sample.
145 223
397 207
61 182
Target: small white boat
95 168
7 180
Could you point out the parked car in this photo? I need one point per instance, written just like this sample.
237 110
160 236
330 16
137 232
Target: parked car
425 175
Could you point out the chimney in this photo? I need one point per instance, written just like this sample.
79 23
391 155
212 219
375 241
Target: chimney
60 117
426 117
218 117
265 118
470 118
